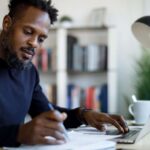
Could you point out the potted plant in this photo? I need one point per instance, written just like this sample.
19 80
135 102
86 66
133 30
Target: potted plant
142 82
65 21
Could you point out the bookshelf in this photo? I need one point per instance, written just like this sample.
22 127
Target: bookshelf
83 77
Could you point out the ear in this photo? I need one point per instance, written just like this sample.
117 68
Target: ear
7 22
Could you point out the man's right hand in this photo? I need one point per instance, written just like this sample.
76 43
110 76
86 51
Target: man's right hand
47 124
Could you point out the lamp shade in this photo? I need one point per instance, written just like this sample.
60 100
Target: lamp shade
141 30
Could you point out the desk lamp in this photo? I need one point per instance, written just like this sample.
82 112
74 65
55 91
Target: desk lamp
141 30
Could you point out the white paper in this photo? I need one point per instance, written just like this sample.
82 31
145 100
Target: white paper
77 141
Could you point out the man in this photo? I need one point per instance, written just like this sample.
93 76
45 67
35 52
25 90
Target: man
23 32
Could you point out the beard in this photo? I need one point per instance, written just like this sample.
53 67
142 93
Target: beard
10 55
13 61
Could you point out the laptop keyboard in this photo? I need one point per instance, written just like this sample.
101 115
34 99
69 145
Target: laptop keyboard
130 134
128 138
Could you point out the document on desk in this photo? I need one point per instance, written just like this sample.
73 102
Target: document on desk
77 140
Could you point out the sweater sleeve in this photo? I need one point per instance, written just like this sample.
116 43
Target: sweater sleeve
8 136
72 120
39 101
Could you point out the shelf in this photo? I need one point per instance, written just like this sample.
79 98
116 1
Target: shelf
87 36
81 28
84 28
87 72
49 72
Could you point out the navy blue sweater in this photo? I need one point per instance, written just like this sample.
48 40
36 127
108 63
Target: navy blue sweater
20 93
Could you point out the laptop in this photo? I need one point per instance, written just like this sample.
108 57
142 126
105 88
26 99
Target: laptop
133 135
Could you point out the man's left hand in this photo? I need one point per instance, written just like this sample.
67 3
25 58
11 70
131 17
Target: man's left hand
98 119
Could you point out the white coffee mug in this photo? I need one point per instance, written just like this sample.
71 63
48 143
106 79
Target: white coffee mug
140 110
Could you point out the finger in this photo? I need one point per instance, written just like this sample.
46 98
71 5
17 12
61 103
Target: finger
51 124
123 123
49 140
54 133
108 119
55 115
100 127
64 115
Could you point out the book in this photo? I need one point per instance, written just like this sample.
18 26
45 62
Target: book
103 97
77 58
69 95
53 60
71 41
75 97
89 97
50 91
44 60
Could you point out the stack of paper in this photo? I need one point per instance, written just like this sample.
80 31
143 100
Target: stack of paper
77 141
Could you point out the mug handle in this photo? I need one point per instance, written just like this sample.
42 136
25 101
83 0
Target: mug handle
131 109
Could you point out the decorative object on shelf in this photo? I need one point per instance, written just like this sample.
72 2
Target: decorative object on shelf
141 30
97 17
66 21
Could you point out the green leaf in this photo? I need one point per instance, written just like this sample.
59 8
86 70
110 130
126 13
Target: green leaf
142 83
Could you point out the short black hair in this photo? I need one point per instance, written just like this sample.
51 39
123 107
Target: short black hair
44 5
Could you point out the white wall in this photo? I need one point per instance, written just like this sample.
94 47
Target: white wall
121 14
3 10
146 7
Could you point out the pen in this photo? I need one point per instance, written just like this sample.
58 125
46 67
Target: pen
65 132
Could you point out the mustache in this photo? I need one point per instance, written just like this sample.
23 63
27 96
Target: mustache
29 50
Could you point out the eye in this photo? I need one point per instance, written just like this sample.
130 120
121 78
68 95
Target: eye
41 39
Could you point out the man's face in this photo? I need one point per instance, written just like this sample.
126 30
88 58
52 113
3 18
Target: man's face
25 35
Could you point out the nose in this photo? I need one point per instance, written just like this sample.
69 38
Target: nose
33 42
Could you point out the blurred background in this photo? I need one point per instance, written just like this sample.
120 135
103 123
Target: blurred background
91 54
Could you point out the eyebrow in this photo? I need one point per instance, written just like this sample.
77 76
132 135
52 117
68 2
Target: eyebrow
45 36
